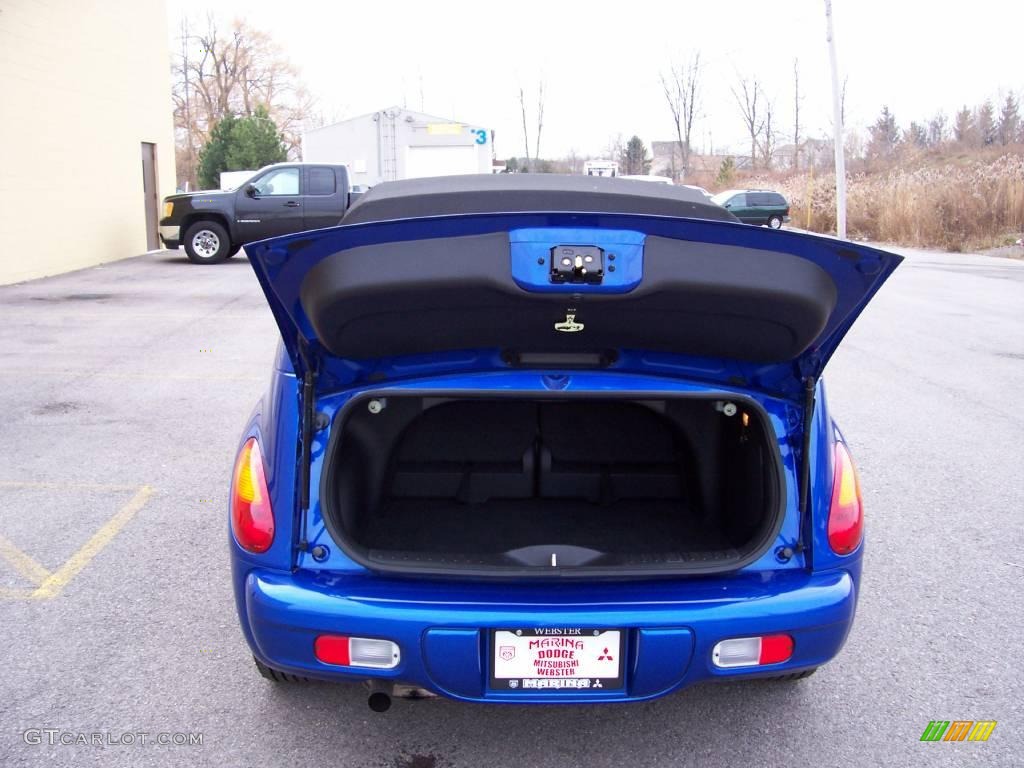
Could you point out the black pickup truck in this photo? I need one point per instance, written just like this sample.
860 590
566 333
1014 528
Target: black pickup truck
279 199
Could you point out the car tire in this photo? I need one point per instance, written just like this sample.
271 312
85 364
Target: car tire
207 242
775 222
234 249
793 675
276 676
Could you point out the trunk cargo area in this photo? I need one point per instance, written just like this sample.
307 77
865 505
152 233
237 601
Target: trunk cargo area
672 485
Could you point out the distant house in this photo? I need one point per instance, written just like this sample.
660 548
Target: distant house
700 170
397 143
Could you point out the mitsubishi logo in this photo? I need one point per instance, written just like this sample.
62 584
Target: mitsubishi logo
570 325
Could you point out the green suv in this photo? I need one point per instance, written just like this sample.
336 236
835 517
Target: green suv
755 206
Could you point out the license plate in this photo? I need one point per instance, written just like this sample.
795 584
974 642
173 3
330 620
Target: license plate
556 659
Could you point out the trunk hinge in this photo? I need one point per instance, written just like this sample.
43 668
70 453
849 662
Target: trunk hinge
307 414
805 462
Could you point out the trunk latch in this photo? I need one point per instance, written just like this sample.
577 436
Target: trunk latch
577 264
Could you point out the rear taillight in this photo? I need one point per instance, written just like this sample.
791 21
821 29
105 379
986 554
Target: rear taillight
846 515
345 651
252 519
752 651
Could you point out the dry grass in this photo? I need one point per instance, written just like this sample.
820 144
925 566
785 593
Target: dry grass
955 203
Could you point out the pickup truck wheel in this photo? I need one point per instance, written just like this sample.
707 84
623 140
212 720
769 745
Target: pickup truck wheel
207 242
234 249
775 222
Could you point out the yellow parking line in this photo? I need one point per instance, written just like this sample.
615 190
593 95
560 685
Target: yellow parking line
59 579
26 566
9 593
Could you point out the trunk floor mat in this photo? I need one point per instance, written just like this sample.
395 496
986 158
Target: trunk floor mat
634 526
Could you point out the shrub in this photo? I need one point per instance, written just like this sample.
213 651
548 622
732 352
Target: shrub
948 204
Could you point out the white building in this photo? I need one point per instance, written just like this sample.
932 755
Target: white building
398 143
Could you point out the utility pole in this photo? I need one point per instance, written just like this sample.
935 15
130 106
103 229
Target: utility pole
837 119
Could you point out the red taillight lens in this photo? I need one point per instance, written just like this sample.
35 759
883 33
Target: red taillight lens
332 649
252 519
846 515
356 651
775 648
752 651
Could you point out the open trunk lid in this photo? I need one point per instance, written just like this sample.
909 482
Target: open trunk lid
661 282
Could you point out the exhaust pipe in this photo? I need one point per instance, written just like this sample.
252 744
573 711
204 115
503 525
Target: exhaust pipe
379 698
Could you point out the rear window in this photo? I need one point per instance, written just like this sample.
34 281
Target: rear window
321 181
760 199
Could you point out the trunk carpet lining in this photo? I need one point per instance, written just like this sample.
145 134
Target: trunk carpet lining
628 526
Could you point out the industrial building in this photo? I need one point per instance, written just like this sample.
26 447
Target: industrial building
397 143
87 132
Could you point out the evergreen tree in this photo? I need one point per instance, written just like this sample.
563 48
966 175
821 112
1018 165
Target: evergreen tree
1009 121
917 135
986 123
240 144
963 127
726 172
937 133
634 160
213 157
256 142
885 136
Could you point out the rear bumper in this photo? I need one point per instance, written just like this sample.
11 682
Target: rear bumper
442 627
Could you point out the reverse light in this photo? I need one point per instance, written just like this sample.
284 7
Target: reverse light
752 651
346 651
846 514
252 519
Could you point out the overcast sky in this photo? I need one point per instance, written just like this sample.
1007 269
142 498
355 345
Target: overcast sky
601 61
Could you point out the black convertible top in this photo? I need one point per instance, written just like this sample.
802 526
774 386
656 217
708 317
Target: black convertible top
511 193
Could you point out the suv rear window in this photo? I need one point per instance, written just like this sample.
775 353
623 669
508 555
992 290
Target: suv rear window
321 181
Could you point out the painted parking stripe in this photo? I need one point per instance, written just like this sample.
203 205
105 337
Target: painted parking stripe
59 579
47 584
26 565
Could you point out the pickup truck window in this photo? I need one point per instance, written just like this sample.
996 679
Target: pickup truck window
321 181
283 181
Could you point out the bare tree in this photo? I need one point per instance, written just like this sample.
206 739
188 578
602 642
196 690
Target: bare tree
540 117
526 131
682 92
769 134
796 114
217 72
747 97
616 146
540 123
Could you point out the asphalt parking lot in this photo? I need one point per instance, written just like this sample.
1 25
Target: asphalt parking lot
123 389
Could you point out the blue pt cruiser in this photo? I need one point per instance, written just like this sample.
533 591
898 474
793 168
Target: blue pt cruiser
542 439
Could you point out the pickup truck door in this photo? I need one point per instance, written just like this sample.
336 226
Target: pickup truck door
324 200
275 208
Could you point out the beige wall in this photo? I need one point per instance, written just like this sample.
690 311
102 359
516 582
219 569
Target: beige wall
82 84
